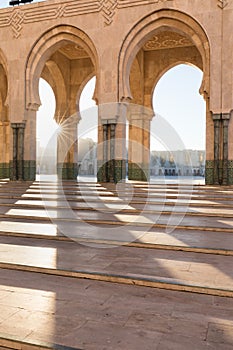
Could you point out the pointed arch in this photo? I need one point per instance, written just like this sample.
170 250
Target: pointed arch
42 50
143 30
58 87
82 86
4 86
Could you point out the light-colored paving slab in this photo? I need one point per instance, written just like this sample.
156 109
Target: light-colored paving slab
88 314
94 315
189 269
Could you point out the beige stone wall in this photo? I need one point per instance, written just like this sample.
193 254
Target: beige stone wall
66 42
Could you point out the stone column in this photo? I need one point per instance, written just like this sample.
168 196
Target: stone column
139 143
17 172
13 175
225 120
21 128
4 149
105 153
111 147
112 129
216 119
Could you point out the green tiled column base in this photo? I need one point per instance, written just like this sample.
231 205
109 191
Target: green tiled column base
4 170
209 172
119 171
230 172
220 171
101 172
29 170
138 172
67 171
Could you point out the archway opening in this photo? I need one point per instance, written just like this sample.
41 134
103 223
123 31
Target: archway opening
161 50
46 127
66 62
87 133
176 98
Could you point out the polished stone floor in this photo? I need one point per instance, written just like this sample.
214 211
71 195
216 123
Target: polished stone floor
99 267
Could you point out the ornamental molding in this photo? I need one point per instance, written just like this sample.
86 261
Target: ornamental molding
17 17
167 40
108 8
222 4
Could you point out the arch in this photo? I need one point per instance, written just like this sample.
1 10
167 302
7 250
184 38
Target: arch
148 26
186 110
42 50
82 86
58 88
4 70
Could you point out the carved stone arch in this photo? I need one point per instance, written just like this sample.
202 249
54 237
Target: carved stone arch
79 92
56 80
4 86
137 86
42 50
148 26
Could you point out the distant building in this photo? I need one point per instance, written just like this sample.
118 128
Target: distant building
178 163
87 157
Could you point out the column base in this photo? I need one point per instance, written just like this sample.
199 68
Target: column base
117 174
230 172
29 170
4 170
138 172
209 173
67 171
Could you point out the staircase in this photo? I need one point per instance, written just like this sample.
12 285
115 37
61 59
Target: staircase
127 266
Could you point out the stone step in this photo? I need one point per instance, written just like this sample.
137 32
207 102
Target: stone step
45 260
173 270
8 342
5 199
155 220
209 242
109 189
95 315
76 194
106 206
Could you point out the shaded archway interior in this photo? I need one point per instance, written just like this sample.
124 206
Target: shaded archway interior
67 71
164 49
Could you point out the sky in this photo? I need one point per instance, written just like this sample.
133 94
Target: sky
176 98
5 3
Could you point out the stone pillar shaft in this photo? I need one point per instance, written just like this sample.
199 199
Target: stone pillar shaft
18 151
105 152
216 148
109 141
221 125
225 118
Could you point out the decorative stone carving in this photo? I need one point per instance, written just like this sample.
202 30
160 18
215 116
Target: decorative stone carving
129 3
45 12
73 52
167 40
222 3
16 17
108 10
16 22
